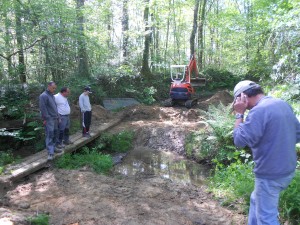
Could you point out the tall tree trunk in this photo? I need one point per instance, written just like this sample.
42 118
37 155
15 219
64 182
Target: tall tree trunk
167 35
145 64
195 25
125 28
201 35
8 46
19 37
247 9
83 67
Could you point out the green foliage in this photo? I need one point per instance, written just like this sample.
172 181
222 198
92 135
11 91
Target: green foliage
120 142
100 163
41 219
290 201
215 143
217 78
12 103
77 85
233 183
7 157
31 131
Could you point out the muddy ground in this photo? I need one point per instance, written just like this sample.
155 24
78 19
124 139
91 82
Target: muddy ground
86 198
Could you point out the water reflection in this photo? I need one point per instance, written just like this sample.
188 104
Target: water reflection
165 164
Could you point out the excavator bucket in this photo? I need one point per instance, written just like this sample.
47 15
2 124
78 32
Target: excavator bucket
198 82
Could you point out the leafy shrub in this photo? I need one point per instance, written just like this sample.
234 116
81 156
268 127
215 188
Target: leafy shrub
6 158
120 142
290 201
217 78
100 163
233 183
215 143
13 103
41 219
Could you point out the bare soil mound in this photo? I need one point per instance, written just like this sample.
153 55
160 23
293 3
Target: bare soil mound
86 198
99 113
223 97
142 112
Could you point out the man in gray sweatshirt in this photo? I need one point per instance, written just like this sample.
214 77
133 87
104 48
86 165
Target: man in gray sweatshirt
86 111
271 130
50 118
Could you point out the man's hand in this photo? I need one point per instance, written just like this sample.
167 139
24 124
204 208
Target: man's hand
44 122
241 104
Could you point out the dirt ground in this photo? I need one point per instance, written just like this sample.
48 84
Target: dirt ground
86 198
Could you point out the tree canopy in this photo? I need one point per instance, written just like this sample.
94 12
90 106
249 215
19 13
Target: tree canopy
53 40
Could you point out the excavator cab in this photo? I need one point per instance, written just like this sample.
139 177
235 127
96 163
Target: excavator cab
178 73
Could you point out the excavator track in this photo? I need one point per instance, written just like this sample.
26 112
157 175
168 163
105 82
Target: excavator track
168 103
190 103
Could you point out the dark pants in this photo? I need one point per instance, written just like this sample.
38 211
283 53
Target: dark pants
86 121
64 127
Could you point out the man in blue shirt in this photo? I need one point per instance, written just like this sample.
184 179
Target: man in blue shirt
271 130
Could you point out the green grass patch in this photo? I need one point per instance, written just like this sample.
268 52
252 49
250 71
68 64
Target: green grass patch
41 219
233 184
99 162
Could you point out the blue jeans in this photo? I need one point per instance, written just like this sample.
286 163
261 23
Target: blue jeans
64 127
264 200
51 129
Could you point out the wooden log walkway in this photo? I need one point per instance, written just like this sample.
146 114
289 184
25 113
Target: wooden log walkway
39 160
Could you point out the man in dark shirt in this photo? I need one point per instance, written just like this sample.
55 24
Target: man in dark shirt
50 118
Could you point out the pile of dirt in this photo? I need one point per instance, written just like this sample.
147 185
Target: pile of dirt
86 198
223 97
143 112
99 113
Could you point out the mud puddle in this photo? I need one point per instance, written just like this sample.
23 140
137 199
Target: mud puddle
168 165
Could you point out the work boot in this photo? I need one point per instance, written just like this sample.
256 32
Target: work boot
57 150
68 142
86 135
60 146
50 157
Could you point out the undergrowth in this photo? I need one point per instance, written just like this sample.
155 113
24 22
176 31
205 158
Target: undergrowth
120 142
5 159
41 219
99 162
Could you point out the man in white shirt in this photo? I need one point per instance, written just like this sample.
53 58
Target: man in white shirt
64 110
86 111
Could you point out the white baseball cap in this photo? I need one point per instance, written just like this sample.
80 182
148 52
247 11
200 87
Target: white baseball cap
243 86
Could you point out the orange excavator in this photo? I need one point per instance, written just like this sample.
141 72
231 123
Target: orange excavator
184 80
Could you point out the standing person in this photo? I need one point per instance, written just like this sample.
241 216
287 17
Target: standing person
271 130
86 111
50 118
64 110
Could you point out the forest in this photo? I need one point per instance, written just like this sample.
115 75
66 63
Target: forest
124 49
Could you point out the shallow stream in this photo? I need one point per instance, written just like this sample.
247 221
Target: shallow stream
148 162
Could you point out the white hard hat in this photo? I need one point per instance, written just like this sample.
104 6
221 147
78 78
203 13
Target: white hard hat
243 86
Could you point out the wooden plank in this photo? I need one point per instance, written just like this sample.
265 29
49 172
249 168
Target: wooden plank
39 160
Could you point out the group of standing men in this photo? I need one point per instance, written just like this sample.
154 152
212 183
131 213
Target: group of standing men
55 112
